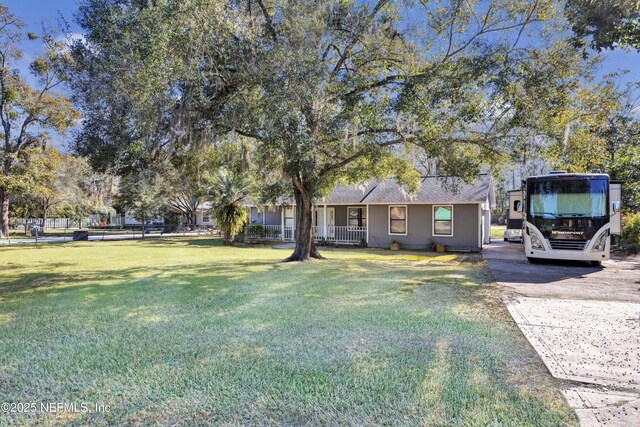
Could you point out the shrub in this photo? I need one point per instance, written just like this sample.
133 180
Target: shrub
324 242
229 191
431 246
256 231
631 232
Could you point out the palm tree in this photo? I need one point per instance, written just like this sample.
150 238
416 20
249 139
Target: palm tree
229 191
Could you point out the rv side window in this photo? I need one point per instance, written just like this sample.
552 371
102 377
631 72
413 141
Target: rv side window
515 205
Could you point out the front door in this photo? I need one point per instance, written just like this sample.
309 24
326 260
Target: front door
289 224
319 222
331 223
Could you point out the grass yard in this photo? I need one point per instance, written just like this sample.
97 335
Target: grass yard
497 231
186 332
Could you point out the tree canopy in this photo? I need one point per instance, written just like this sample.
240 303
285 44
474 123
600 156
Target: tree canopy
325 93
26 113
605 24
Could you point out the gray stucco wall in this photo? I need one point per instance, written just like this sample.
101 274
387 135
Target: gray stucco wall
465 227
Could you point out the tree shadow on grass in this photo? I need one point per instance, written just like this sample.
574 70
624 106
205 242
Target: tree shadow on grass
250 334
67 281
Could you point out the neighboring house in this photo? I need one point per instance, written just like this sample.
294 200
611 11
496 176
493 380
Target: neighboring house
129 219
203 215
381 213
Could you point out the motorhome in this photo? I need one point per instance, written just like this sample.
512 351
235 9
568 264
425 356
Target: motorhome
570 216
513 232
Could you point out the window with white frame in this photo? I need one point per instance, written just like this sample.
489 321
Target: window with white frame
357 217
206 218
443 220
398 219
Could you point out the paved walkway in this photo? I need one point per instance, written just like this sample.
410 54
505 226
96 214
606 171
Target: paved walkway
584 322
285 246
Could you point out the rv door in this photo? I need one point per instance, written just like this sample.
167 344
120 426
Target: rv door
615 198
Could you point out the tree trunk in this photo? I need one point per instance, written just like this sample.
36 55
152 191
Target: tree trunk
45 213
4 212
144 223
228 239
194 219
4 192
305 242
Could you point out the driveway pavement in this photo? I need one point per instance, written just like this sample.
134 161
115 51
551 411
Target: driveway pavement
584 322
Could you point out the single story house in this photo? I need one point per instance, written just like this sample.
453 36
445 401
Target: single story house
203 217
444 211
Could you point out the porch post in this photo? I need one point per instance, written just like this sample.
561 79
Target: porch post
264 214
282 222
314 219
324 224
367 226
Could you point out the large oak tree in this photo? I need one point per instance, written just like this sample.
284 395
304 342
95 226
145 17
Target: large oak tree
327 92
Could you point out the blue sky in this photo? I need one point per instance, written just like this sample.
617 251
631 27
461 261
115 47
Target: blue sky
35 12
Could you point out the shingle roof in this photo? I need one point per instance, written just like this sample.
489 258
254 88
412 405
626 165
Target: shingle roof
350 194
435 189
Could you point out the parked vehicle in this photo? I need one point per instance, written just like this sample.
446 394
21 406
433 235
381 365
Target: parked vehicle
570 216
513 233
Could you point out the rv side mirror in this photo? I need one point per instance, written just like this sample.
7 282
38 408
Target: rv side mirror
617 206
518 206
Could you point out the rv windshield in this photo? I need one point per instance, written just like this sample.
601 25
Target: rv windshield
562 198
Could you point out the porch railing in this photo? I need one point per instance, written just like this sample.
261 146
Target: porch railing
266 232
289 233
341 234
334 233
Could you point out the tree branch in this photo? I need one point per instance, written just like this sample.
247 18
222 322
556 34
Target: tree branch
354 40
333 167
268 19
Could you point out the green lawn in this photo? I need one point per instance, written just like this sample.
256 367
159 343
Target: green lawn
497 231
186 332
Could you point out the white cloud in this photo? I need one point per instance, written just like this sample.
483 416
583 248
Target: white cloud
70 38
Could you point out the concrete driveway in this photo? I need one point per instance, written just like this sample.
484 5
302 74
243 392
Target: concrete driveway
584 322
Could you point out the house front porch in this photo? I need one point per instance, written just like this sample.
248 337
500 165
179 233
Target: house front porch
332 224
339 234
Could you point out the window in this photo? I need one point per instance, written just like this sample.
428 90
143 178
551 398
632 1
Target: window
357 217
443 220
568 198
515 205
206 219
397 219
